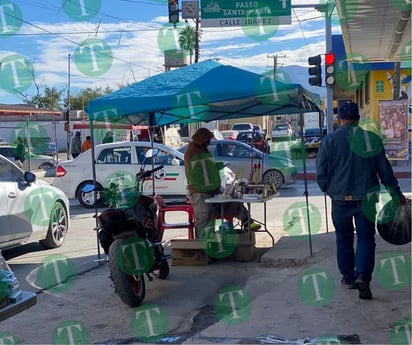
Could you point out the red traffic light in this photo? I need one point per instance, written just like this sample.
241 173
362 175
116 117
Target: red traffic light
329 58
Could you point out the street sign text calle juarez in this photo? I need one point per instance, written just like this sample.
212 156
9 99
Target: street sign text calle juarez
229 13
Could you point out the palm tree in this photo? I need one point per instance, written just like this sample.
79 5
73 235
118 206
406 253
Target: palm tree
187 40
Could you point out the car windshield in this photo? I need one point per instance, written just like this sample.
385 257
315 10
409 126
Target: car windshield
243 126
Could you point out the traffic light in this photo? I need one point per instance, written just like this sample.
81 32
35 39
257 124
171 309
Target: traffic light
329 69
315 70
173 11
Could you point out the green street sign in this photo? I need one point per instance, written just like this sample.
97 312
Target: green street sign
230 13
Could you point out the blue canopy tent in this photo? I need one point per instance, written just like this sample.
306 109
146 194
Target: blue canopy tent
205 91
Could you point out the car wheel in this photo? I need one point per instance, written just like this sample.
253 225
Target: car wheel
273 177
58 224
87 199
46 166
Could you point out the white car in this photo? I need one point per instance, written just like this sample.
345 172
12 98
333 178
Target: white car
118 163
30 209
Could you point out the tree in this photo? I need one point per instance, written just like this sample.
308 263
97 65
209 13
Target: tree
80 101
49 99
187 40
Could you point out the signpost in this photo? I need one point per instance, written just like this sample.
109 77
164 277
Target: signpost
231 13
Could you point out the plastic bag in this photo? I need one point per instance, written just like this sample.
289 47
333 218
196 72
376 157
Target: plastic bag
394 222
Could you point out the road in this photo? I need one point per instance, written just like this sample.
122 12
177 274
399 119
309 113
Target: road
185 298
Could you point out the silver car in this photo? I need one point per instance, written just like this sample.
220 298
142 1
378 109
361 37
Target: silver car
31 209
250 163
33 162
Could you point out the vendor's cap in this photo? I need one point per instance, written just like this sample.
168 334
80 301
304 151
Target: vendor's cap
348 111
202 136
78 134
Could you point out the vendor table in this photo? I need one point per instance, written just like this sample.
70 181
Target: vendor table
220 199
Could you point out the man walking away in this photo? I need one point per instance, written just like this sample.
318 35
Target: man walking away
350 163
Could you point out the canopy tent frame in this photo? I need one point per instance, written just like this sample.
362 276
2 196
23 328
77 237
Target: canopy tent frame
164 100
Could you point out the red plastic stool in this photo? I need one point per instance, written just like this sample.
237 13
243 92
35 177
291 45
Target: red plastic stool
161 218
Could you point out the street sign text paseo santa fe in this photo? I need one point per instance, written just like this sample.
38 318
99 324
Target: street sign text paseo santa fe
229 13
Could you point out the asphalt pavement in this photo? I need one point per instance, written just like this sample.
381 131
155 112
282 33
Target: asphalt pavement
292 295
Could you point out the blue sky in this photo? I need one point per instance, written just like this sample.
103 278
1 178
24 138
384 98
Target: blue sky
45 32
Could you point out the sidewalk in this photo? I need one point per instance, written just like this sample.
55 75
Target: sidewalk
305 301
292 296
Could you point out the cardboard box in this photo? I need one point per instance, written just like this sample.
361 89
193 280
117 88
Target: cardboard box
246 253
188 253
246 246
246 238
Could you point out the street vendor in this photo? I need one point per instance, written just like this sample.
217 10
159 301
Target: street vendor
203 182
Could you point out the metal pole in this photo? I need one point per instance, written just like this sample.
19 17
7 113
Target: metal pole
68 106
197 40
329 89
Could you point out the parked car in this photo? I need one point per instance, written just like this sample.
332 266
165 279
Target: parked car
313 136
282 131
274 169
31 209
258 128
256 139
32 162
230 134
241 127
118 163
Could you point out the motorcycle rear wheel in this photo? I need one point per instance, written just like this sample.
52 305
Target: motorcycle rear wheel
130 288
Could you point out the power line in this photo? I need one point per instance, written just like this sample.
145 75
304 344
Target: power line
71 41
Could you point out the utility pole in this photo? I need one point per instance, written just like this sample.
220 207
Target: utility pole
396 80
197 39
275 63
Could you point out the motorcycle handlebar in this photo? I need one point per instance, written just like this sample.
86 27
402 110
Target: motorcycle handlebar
147 173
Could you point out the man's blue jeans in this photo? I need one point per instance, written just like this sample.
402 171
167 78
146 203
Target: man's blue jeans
353 262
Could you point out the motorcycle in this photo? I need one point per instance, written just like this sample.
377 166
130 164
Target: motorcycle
128 234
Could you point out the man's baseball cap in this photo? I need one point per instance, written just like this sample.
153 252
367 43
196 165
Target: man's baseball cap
348 111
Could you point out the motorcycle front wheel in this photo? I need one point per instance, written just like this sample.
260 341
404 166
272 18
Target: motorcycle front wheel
130 288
